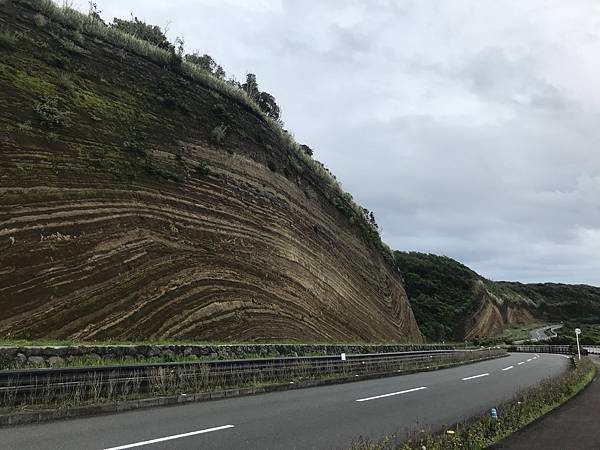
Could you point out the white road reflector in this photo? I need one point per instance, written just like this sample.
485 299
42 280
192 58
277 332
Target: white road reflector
507 368
475 376
391 394
169 438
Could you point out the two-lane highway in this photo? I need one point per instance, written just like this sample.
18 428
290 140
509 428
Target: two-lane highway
322 417
544 333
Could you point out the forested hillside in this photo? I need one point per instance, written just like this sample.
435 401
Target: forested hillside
451 301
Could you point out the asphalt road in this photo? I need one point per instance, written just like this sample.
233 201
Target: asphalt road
572 426
322 417
545 333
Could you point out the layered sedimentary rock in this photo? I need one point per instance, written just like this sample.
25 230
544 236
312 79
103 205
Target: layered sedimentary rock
493 313
131 216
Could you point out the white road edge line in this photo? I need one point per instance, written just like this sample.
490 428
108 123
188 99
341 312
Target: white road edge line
475 376
522 362
366 399
168 438
507 368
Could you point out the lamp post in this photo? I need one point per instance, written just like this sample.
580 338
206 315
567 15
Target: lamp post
577 333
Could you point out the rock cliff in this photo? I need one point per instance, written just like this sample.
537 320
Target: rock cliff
138 201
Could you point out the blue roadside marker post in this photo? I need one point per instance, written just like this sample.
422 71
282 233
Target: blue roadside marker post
494 414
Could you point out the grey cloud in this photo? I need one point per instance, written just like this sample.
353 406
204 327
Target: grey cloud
469 127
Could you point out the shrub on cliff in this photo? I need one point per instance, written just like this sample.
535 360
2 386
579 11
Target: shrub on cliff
51 114
218 134
142 30
8 40
266 102
207 63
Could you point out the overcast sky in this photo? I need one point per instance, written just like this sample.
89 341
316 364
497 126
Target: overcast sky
470 127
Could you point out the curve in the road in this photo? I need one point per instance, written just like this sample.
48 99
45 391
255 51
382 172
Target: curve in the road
322 417
544 333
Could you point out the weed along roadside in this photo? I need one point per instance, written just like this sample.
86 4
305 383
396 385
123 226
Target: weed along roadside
574 425
501 421
34 395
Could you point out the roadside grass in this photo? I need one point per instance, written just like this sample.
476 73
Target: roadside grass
518 332
482 432
87 361
590 334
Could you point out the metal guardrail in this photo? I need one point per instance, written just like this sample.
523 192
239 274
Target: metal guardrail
560 349
117 382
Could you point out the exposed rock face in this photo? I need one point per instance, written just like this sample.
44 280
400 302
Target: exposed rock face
493 314
451 301
130 220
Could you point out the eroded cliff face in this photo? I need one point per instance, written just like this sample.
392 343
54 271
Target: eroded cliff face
494 313
133 220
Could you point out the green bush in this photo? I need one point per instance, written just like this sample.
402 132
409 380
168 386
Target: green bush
51 114
40 20
64 82
218 134
73 47
8 40
203 169
206 63
144 31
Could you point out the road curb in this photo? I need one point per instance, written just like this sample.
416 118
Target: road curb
45 415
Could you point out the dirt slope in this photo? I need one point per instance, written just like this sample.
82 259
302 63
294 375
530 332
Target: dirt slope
130 218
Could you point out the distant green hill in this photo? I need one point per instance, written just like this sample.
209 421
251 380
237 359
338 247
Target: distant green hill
441 293
452 302
561 302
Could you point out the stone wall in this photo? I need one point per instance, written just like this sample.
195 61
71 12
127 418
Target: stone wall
18 357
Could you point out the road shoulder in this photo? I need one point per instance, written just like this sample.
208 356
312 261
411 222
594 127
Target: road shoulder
573 425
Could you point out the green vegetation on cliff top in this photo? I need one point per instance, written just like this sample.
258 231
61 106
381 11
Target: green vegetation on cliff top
60 92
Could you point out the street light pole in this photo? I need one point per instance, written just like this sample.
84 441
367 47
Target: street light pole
577 333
